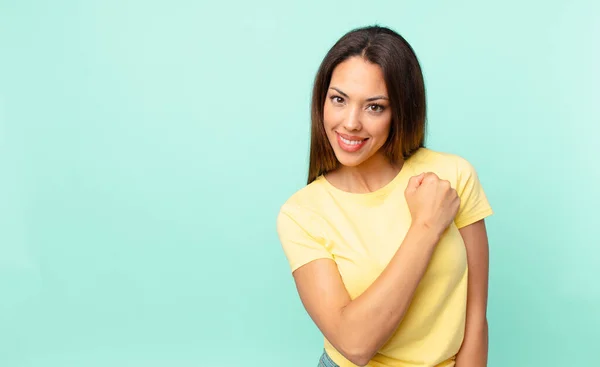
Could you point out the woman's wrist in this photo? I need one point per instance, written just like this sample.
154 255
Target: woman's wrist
424 233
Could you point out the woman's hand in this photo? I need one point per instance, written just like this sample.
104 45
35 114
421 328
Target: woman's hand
432 202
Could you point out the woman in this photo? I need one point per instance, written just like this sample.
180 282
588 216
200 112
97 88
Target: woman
387 243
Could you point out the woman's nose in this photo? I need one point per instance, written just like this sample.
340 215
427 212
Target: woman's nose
352 121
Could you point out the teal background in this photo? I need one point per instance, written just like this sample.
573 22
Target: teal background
146 146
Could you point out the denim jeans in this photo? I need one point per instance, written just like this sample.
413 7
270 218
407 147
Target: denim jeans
326 361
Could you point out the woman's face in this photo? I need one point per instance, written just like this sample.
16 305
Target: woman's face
357 114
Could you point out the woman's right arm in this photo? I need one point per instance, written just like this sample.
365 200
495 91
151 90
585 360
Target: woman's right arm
359 328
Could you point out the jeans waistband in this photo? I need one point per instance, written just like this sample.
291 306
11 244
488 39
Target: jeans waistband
326 361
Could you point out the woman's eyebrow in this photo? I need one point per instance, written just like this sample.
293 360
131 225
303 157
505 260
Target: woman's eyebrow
340 92
376 98
368 99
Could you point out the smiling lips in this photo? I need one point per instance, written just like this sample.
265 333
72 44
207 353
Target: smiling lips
350 143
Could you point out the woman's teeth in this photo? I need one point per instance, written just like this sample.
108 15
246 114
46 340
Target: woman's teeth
351 142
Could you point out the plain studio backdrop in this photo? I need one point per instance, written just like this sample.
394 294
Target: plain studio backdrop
146 147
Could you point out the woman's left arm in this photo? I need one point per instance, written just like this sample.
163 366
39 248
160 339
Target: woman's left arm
474 349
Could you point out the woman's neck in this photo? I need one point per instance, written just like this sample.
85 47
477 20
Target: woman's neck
369 176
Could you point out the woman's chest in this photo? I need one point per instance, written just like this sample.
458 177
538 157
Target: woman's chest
364 240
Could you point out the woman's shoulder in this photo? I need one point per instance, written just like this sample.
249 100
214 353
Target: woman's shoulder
447 165
307 198
428 155
303 210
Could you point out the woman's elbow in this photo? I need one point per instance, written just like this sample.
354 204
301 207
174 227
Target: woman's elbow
358 354
359 359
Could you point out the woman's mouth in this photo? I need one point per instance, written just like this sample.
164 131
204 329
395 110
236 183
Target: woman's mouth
350 143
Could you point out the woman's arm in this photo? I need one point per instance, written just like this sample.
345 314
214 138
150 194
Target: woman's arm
474 350
358 328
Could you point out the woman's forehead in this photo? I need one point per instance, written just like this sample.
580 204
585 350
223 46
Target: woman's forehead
358 77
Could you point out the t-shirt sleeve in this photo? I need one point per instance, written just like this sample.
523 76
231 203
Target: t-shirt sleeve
474 204
298 234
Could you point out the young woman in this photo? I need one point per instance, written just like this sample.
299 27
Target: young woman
387 242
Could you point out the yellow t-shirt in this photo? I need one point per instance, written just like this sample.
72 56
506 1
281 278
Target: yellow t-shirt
361 233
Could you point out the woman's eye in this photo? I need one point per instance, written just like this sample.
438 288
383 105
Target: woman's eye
337 99
376 108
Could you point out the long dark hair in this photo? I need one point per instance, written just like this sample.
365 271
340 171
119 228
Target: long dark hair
405 86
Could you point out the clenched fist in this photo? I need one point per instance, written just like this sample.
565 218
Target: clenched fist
432 202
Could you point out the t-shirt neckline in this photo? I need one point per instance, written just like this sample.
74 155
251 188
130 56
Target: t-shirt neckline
384 191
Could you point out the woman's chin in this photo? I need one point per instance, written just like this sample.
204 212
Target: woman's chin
350 160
